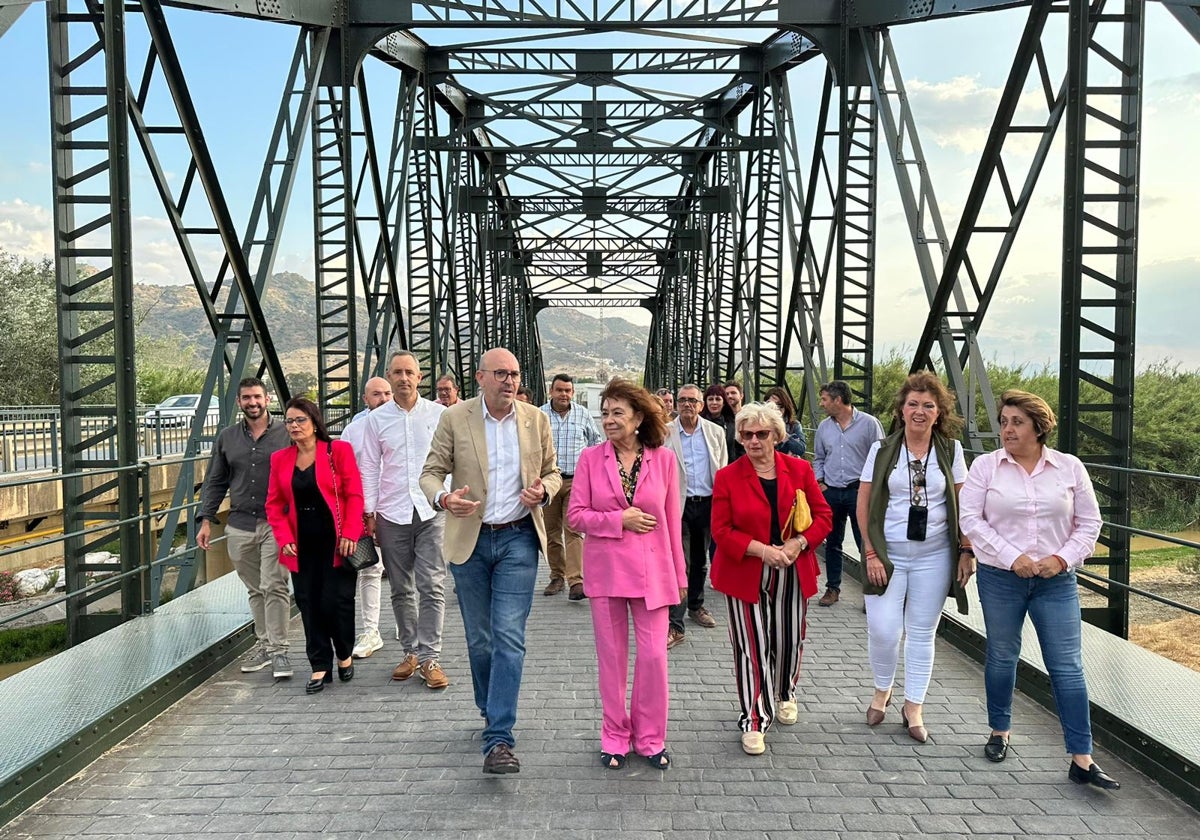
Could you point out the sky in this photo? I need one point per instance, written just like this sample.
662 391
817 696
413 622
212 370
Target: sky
954 71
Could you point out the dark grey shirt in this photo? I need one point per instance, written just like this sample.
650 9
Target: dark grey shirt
241 465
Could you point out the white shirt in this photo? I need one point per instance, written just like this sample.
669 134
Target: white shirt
895 522
503 503
354 432
395 445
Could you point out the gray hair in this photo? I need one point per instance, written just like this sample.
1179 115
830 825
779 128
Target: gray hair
762 414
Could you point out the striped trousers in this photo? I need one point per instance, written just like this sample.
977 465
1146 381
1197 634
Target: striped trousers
768 641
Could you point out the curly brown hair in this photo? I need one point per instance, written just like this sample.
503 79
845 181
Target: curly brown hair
653 429
948 424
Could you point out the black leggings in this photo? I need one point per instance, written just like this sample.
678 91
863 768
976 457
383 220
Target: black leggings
324 594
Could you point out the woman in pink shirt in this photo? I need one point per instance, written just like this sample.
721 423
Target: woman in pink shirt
1031 515
625 499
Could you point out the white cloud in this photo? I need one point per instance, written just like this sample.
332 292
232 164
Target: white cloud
26 229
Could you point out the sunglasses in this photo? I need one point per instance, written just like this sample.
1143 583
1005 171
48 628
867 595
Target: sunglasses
760 434
918 480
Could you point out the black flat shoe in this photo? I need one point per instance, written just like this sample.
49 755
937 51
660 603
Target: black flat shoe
613 761
1092 776
346 674
996 748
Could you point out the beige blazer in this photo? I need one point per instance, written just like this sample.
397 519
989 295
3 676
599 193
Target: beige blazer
718 450
459 449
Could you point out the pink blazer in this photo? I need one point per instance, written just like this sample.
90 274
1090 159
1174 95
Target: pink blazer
281 508
619 563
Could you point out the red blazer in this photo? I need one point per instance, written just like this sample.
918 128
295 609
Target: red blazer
281 510
741 513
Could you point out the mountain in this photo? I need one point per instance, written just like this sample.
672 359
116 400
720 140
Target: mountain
572 341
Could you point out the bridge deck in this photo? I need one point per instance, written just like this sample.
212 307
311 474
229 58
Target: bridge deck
244 757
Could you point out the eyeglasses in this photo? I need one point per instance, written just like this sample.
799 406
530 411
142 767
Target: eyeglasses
758 434
295 421
688 401
504 375
918 480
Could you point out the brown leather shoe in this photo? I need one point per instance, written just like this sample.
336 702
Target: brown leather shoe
674 638
406 668
500 759
829 598
433 675
576 593
555 586
702 617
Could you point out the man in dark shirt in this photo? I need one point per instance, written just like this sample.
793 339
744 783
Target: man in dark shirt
241 465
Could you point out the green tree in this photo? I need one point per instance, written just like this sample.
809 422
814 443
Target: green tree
27 343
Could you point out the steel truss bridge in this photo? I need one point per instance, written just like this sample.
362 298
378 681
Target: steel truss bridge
588 152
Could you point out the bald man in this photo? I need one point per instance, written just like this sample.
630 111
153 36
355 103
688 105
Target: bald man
376 392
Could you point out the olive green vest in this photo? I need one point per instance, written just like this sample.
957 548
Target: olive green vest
885 461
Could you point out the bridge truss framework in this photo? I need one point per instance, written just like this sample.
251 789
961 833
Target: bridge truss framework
555 168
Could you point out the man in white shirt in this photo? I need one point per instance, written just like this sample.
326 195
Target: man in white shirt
700 447
376 392
409 531
573 430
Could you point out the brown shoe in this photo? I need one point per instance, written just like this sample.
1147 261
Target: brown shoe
702 617
576 592
433 675
829 598
674 638
555 586
406 668
500 759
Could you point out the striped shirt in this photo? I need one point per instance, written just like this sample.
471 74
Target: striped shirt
572 434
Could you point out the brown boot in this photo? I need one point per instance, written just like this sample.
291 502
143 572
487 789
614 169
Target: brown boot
555 586
829 598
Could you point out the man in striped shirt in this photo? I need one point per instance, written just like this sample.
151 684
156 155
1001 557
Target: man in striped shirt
572 429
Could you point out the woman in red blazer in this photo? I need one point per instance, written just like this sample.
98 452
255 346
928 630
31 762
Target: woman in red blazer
315 507
767 580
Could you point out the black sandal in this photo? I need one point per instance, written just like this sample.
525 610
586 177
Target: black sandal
612 761
660 760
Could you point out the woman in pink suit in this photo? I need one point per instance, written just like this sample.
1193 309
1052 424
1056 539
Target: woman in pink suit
625 499
766 572
315 507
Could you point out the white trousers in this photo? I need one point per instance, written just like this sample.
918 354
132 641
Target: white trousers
370 582
908 610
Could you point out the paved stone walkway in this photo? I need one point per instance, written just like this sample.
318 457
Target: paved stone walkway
244 757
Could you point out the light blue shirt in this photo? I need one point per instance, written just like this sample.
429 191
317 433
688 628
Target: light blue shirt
695 461
839 454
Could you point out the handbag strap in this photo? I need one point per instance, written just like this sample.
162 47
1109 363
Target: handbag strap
337 502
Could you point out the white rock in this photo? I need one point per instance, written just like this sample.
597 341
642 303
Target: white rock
59 576
98 557
31 582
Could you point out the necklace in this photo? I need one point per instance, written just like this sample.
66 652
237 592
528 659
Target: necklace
913 451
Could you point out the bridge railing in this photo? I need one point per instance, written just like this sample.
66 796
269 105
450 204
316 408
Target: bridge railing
147 568
30 436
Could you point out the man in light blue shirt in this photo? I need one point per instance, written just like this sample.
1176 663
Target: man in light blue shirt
572 428
843 441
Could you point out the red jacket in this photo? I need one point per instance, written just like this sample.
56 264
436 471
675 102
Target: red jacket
740 513
347 498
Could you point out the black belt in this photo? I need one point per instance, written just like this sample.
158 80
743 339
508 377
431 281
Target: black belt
698 498
853 485
568 475
504 526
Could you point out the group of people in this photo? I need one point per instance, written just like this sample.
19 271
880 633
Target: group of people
482 485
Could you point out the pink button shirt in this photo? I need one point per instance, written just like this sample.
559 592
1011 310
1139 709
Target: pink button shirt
1006 512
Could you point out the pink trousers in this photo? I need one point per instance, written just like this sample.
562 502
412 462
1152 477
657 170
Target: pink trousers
642 725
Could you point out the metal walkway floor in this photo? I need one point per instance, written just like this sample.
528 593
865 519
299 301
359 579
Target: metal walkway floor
244 757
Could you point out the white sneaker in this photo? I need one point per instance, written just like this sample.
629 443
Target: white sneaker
753 744
787 713
367 644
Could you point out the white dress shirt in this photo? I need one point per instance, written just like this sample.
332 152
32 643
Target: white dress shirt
394 447
503 503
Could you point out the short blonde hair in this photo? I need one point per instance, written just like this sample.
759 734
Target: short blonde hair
762 414
1037 409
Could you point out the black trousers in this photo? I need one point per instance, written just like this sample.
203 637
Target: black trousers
697 522
324 594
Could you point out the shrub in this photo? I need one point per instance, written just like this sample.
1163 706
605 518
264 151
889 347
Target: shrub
8 587
22 643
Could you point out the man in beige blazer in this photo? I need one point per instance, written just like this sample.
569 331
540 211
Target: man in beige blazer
504 470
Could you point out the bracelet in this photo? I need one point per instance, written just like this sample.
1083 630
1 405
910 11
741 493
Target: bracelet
966 549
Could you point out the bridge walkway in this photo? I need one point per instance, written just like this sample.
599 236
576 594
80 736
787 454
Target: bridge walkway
245 757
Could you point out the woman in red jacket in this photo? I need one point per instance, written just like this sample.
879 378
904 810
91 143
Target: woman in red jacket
766 579
315 507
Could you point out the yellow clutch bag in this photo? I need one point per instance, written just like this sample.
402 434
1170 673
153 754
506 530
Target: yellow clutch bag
799 519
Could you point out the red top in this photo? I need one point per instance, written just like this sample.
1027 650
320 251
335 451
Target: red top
741 513
347 498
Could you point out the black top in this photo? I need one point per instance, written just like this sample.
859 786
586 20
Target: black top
305 490
770 486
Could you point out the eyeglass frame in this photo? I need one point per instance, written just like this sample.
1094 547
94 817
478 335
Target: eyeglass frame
503 375
760 434
688 400
296 421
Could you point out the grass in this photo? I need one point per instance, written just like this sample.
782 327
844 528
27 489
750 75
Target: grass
22 643
1154 557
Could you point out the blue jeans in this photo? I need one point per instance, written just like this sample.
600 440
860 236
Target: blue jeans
843 501
1052 604
495 593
